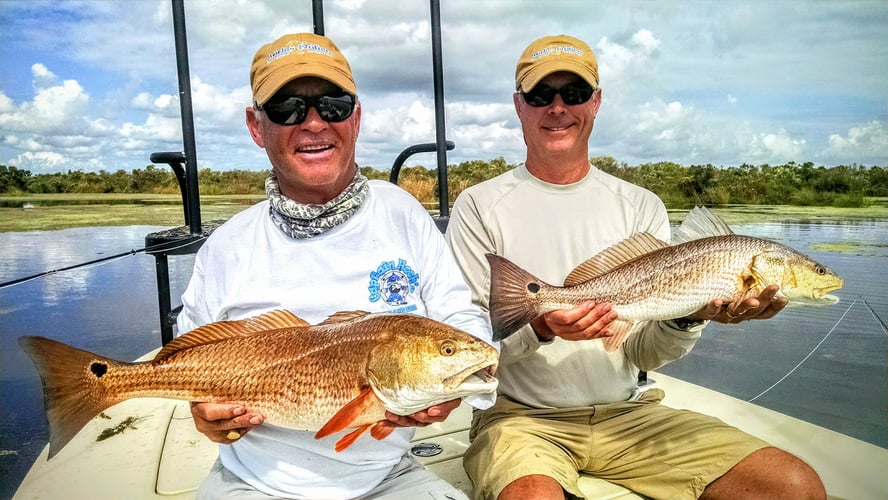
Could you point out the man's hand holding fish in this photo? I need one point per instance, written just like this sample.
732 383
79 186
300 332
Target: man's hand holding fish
589 320
224 423
765 306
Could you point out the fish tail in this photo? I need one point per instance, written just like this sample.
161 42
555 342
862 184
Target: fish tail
73 390
514 300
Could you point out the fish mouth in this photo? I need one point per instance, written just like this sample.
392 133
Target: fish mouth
476 378
825 290
823 295
819 297
829 299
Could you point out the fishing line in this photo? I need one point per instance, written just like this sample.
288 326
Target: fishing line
790 372
101 261
875 315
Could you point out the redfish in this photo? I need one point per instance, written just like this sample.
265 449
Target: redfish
341 374
644 278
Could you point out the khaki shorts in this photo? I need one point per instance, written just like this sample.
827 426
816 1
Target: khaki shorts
654 450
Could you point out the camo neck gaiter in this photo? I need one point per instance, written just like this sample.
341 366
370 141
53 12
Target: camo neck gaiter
301 221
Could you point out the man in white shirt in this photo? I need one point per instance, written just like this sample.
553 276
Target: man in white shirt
326 240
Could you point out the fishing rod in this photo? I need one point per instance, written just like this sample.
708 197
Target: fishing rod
148 249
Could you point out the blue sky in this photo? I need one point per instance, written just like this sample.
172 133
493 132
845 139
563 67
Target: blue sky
91 85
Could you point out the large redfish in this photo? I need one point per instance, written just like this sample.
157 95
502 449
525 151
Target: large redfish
341 374
647 279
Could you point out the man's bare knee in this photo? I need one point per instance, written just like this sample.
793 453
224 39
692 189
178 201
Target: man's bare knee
768 473
536 486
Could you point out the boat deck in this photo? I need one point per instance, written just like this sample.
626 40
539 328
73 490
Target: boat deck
158 454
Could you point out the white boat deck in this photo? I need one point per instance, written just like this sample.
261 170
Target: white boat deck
161 456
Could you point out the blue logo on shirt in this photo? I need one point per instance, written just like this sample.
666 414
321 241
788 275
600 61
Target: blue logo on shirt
394 285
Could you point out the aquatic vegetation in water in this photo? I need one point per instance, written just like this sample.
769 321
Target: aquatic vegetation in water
853 248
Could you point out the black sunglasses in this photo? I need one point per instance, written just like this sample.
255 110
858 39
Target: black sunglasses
292 110
572 94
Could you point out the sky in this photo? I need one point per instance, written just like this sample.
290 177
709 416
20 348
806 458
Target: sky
92 85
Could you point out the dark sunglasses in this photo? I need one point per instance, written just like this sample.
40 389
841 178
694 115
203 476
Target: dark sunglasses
572 94
292 110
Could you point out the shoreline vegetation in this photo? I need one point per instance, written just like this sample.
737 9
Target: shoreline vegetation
49 212
741 195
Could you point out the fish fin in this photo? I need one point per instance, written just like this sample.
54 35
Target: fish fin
350 438
72 391
620 330
513 296
273 320
750 286
348 413
700 223
614 256
344 317
222 330
382 429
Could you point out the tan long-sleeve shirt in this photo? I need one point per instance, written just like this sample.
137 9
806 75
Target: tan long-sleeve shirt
548 230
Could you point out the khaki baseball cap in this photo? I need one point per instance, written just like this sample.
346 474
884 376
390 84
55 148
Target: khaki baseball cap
295 56
549 54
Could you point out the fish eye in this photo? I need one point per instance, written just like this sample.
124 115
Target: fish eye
448 349
820 270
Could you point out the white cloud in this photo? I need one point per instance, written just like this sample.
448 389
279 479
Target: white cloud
42 76
39 161
646 41
55 109
6 105
781 146
695 83
865 144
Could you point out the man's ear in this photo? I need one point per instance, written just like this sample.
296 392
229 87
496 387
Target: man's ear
252 119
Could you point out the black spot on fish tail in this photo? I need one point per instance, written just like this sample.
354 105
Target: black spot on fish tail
514 296
71 397
98 369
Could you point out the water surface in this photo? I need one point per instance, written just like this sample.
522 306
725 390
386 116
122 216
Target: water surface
112 309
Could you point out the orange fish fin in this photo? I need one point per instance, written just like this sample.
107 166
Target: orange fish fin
222 330
273 320
348 413
749 286
614 256
621 330
382 429
344 317
73 392
350 438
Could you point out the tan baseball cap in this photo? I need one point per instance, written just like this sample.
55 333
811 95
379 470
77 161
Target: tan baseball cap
549 54
295 56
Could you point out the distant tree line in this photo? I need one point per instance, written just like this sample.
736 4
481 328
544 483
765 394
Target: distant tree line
677 185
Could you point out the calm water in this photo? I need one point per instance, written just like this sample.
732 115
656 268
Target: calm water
109 308
112 309
843 383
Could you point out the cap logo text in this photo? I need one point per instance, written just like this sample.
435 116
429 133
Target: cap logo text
560 49
301 47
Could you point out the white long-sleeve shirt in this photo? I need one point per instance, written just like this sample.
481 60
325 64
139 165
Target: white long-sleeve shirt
548 230
388 257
